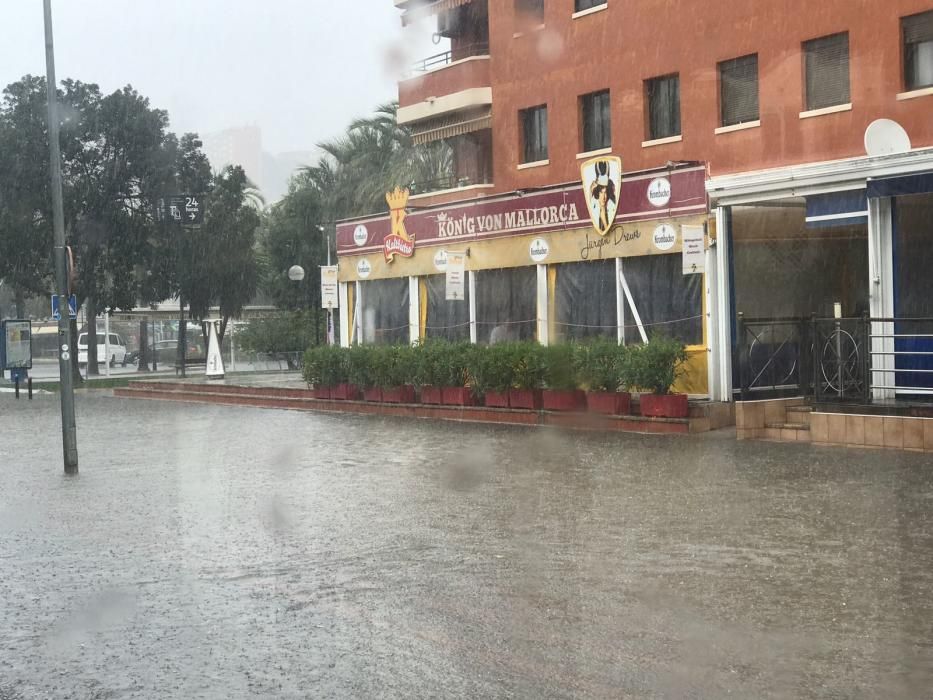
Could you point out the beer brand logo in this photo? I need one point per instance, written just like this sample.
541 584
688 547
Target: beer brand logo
659 192
602 186
398 242
665 236
539 250
363 268
360 235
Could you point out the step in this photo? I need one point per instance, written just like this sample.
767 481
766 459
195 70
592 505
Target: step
799 414
788 426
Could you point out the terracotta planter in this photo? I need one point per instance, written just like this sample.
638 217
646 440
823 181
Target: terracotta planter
345 392
399 394
458 396
664 405
497 399
372 394
525 398
612 403
562 400
431 395
321 392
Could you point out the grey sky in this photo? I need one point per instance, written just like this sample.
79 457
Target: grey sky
300 69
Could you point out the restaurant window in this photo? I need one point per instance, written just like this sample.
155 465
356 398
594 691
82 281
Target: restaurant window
918 50
529 13
585 298
738 90
580 5
534 134
663 97
596 121
506 304
445 319
668 301
827 71
384 311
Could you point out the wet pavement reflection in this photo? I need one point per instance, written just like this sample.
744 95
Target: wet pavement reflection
230 552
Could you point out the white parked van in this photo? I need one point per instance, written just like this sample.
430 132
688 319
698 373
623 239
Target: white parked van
117 349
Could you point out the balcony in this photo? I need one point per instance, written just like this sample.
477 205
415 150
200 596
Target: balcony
455 80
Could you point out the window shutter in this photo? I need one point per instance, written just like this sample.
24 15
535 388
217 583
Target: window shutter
827 68
918 28
738 80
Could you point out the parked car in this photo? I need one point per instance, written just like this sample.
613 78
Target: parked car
117 348
166 352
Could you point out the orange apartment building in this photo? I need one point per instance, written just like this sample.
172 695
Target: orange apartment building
810 126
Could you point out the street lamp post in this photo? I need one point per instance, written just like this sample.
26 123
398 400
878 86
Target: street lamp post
66 381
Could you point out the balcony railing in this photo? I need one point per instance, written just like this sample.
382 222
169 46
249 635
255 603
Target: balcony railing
835 360
444 59
450 182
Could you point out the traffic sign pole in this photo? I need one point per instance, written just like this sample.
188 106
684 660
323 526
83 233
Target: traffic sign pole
69 431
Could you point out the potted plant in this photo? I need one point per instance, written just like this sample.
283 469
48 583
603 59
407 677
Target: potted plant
453 374
491 371
656 366
527 375
604 369
313 370
427 371
334 371
394 373
561 364
360 359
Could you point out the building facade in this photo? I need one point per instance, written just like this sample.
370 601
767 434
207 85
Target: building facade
810 126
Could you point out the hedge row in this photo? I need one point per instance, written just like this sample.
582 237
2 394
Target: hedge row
600 365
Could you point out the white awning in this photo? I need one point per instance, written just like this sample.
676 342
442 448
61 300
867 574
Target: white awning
421 10
450 126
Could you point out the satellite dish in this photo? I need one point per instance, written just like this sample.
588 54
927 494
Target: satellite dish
884 137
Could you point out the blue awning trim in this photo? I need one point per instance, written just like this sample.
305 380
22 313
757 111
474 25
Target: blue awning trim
920 183
837 209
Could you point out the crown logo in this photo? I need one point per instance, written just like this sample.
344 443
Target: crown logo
397 198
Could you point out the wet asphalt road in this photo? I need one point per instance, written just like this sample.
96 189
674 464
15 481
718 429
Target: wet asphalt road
215 552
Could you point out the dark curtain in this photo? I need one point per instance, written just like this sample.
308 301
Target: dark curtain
384 309
506 306
586 300
446 319
667 300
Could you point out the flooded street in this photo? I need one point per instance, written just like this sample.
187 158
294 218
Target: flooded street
214 552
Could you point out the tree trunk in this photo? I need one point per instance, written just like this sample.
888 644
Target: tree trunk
93 368
19 302
143 346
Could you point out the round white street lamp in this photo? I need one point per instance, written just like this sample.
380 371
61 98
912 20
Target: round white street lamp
296 273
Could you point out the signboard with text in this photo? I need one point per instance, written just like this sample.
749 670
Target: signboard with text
641 197
17 344
694 249
329 295
181 209
456 264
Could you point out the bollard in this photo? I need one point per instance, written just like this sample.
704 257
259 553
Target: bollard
16 384
29 388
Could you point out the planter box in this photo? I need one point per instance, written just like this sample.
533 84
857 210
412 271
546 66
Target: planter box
612 403
497 399
372 394
431 395
560 400
458 396
399 394
525 398
664 405
321 392
345 392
